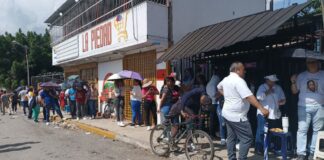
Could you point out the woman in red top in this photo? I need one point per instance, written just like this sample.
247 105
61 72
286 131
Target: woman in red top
149 92
62 99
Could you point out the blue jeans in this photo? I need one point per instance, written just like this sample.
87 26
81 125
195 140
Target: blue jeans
24 104
259 137
136 112
92 103
306 116
47 112
165 110
221 121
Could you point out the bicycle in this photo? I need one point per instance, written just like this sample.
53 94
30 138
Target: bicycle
109 109
198 144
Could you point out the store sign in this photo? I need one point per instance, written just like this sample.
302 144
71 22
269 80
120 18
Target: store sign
103 37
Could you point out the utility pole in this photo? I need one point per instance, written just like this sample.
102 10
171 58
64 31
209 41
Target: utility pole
26 54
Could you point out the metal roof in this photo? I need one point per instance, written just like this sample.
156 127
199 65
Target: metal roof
225 34
64 7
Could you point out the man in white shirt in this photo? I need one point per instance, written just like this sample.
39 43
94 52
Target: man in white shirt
271 96
238 98
310 86
24 99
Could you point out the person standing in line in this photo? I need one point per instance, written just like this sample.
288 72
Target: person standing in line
55 103
30 96
310 87
14 101
237 97
271 96
149 91
5 102
71 95
35 105
62 99
136 100
80 98
24 99
170 95
119 93
93 101
47 101
211 89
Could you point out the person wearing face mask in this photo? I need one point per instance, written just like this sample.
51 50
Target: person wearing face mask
238 98
309 85
271 96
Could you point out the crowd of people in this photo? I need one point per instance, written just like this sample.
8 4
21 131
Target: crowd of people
225 100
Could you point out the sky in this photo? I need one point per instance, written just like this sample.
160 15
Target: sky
29 15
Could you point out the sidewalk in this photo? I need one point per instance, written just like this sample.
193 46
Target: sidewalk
140 137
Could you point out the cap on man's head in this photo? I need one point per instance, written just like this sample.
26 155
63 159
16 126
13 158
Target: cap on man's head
272 78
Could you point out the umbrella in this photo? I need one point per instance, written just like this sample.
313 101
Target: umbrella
73 77
130 74
115 77
20 88
49 84
304 53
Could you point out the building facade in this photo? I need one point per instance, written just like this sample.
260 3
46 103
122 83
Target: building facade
96 38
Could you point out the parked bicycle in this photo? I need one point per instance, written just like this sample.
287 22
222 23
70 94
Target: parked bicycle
198 144
109 110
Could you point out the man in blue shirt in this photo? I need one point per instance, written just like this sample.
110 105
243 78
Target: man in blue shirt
47 99
72 93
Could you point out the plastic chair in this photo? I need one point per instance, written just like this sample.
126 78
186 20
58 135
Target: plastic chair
286 142
318 153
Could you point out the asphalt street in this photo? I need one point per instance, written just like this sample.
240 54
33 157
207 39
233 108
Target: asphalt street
22 139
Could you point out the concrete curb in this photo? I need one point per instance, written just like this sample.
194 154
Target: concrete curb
96 130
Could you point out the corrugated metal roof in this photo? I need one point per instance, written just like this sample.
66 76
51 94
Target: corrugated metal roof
64 7
224 34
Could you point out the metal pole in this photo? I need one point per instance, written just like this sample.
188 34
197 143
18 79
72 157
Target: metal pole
26 50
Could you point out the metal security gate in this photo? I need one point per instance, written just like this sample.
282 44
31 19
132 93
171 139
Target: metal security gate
143 63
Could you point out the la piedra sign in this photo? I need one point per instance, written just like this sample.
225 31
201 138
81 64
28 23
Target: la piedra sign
101 37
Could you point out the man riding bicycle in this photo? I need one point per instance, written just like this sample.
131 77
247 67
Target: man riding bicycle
186 107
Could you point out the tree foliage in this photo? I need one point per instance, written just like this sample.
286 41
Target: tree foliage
13 68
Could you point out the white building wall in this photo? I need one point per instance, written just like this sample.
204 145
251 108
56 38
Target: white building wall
189 15
104 69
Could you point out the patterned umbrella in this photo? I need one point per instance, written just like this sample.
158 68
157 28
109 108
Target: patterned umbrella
49 84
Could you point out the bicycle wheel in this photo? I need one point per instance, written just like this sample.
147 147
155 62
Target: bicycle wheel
158 140
199 146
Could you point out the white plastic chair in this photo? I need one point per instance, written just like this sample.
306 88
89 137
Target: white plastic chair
318 153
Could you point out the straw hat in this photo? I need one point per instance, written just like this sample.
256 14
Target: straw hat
146 83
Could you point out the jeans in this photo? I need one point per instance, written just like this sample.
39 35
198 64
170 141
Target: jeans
221 121
238 131
306 116
57 108
150 107
14 107
136 112
47 112
165 111
259 137
92 104
80 109
24 104
119 104
73 108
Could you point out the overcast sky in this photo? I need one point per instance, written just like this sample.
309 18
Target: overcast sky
31 14
26 14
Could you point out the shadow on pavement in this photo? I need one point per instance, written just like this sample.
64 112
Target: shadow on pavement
14 149
16 144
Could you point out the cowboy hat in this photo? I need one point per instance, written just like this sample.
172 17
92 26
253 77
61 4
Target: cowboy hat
146 83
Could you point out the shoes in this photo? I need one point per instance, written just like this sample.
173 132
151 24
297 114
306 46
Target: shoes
137 126
47 123
237 146
223 142
191 147
77 118
301 157
84 118
148 128
118 123
310 157
121 124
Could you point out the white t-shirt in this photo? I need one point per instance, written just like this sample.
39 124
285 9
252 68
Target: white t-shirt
136 93
235 90
311 88
271 101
